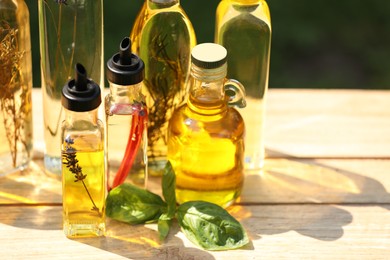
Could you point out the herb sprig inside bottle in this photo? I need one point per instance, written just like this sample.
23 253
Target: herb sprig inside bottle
15 86
70 161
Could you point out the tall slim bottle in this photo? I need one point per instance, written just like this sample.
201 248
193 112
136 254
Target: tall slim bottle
164 43
15 86
70 31
243 27
83 168
126 119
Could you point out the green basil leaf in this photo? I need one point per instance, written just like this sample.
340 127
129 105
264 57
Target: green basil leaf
128 203
164 224
210 226
168 188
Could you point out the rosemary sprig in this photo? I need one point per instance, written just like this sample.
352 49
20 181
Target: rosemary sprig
15 95
60 66
165 89
70 161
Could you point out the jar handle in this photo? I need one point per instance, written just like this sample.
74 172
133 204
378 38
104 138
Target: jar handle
236 93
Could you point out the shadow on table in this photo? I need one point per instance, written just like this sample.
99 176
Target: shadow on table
302 195
142 242
31 186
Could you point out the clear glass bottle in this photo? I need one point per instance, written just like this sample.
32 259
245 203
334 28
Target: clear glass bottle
126 119
15 86
164 43
206 135
243 27
70 31
83 167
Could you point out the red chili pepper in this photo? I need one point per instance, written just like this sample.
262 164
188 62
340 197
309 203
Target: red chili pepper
133 143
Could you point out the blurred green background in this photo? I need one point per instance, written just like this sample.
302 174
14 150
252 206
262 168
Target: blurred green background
315 43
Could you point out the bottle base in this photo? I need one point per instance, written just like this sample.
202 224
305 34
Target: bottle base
223 198
6 167
75 230
52 165
254 162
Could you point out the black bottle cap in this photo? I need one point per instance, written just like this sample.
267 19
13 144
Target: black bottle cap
81 94
125 68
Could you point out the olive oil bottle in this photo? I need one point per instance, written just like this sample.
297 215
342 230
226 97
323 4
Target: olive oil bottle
83 166
162 36
243 27
206 135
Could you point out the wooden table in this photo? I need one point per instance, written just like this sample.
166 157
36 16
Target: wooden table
323 194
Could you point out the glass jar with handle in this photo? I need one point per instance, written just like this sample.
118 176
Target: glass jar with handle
206 135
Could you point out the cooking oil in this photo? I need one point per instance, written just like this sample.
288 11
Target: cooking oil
243 27
118 126
126 119
84 201
163 38
83 162
206 135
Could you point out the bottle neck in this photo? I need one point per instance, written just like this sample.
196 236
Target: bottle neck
159 4
125 93
72 118
207 95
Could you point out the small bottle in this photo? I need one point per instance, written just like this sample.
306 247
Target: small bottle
206 135
83 168
15 87
163 37
243 27
126 119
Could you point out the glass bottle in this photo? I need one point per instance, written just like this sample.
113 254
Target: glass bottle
243 27
164 43
15 86
206 135
126 119
83 168
70 31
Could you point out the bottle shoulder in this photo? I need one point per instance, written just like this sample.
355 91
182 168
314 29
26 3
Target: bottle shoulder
12 10
253 13
8 5
124 106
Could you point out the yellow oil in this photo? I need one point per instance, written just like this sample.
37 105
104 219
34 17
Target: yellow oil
243 27
206 149
79 217
163 38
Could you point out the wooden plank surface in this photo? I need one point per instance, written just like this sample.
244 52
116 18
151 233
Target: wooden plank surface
328 123
324 192
281 231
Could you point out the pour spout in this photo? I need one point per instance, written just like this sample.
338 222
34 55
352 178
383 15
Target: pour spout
125 51
81 80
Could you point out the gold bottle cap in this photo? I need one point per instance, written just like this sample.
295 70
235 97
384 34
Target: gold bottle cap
209 55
